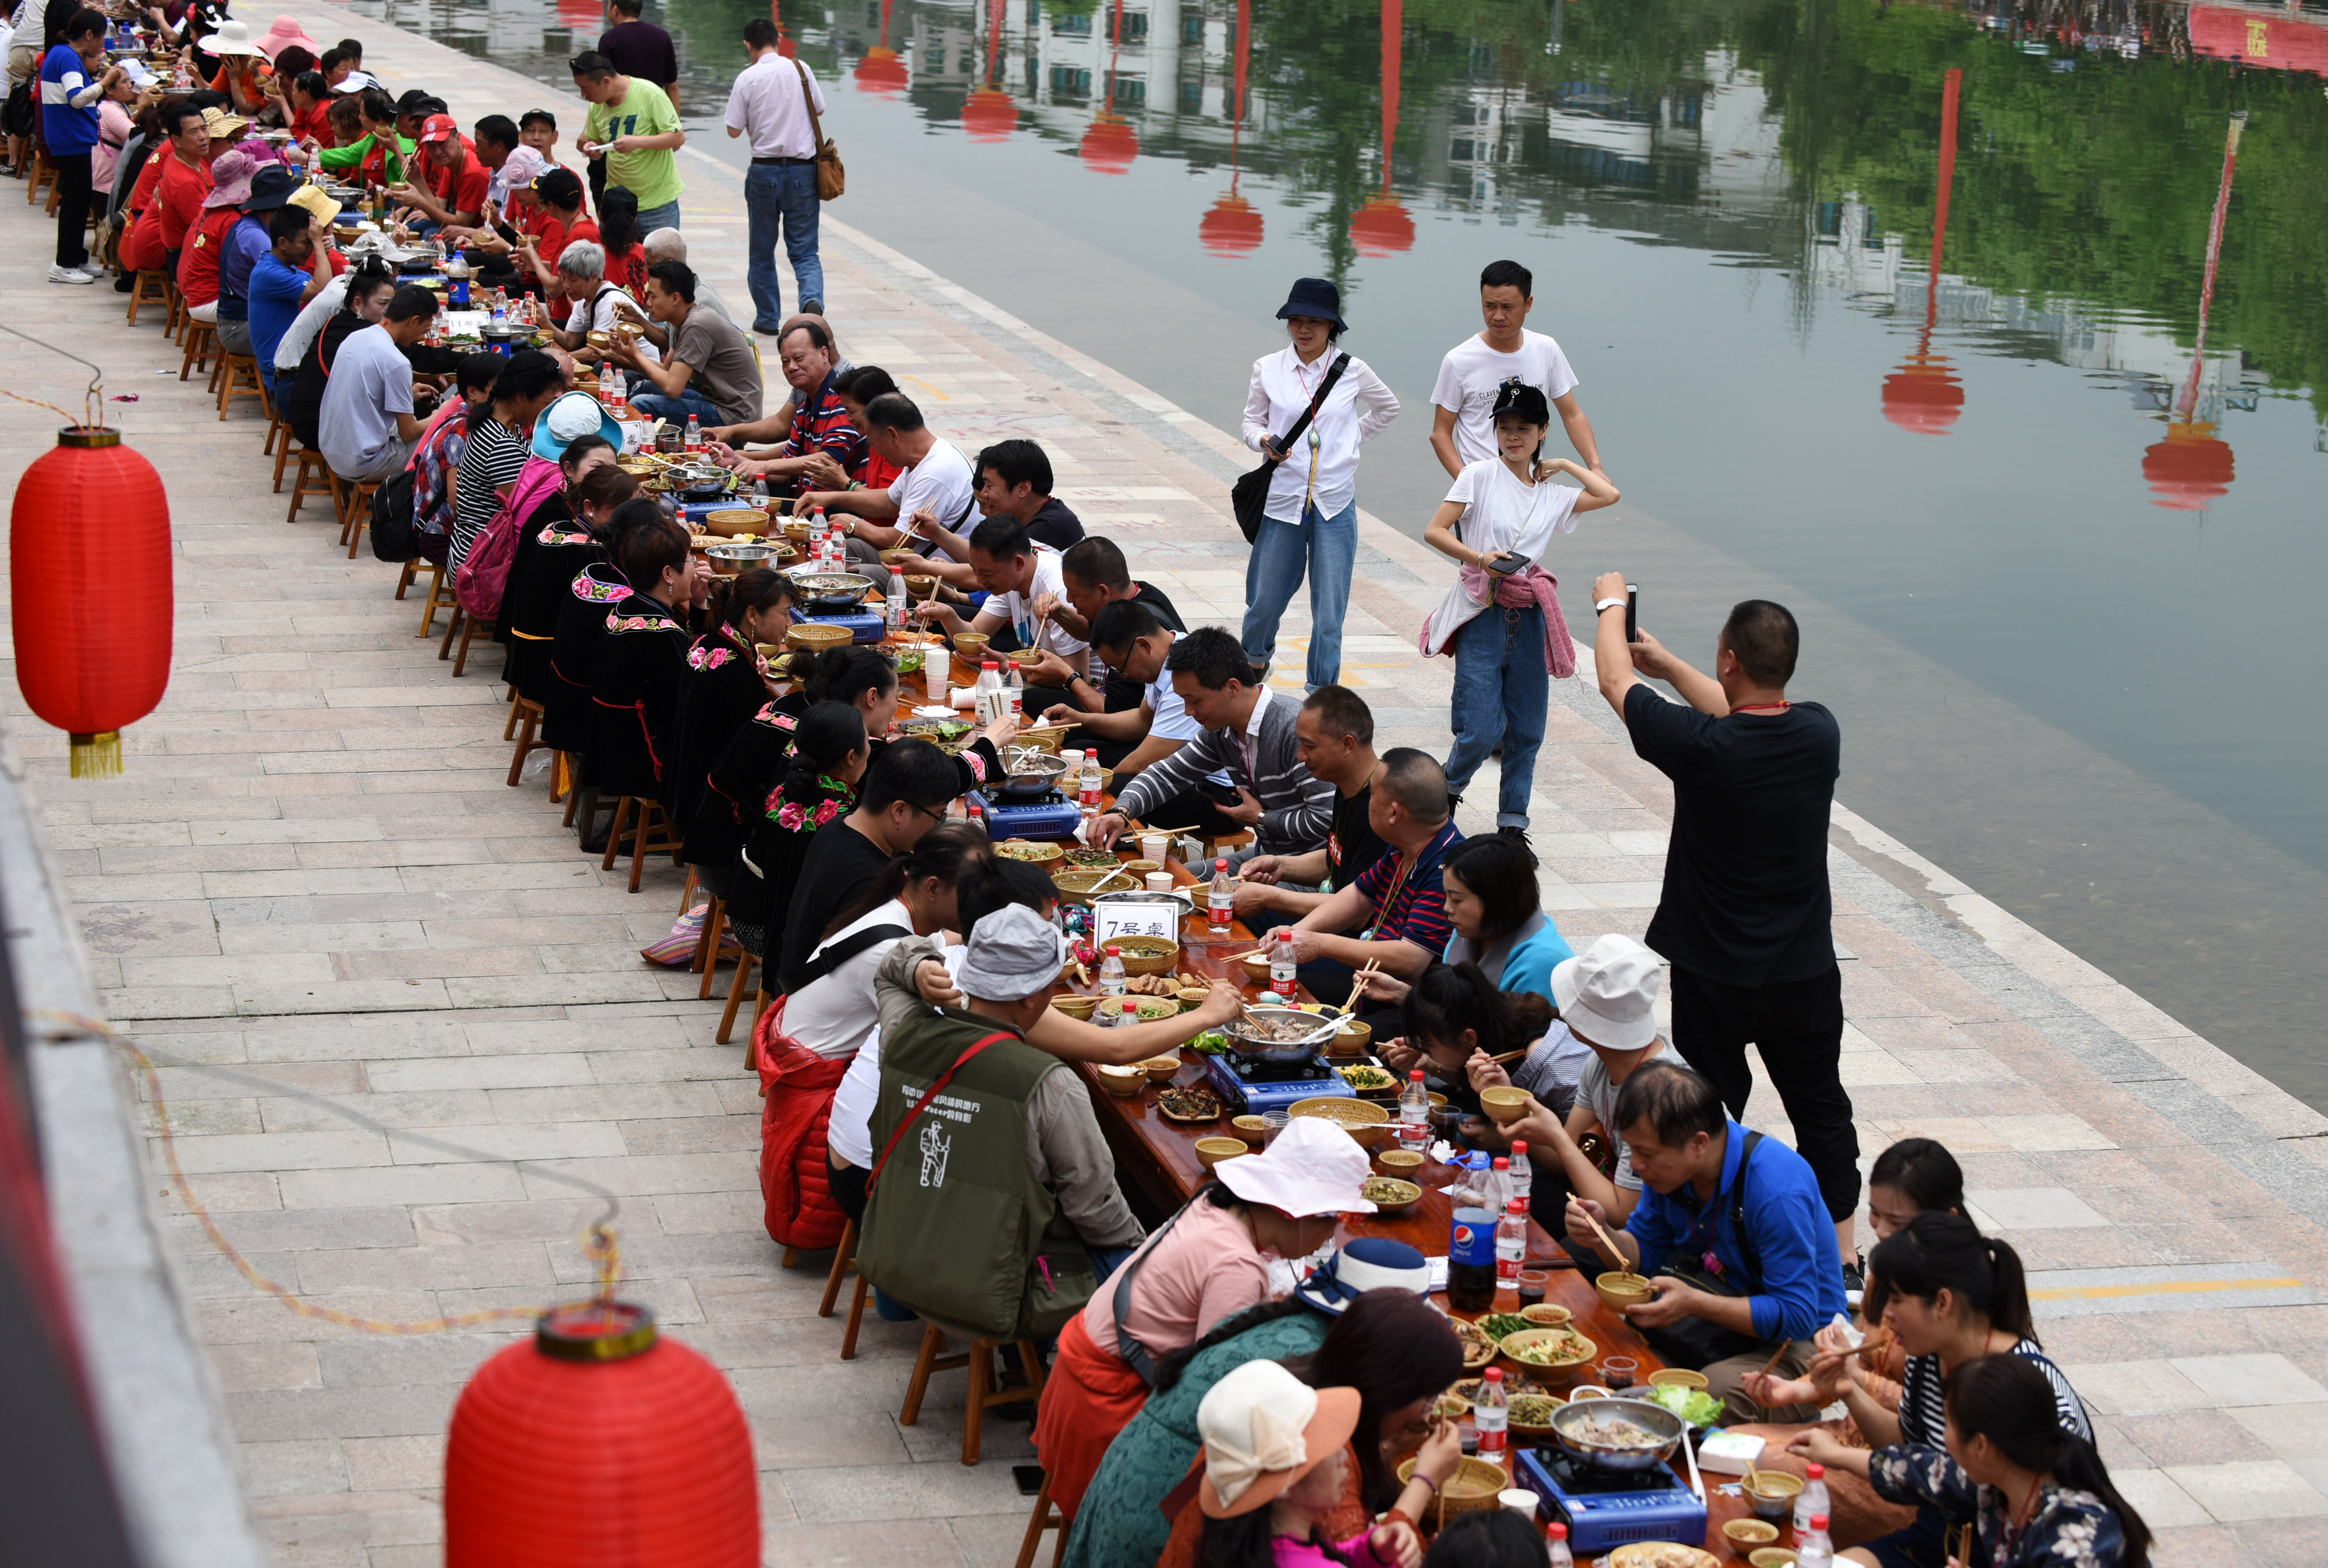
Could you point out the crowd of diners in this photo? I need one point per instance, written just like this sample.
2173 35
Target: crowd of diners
1202 1406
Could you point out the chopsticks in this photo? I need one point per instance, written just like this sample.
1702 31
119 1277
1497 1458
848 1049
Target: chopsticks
1511 1055
1775 1358
1374 966
1614 1255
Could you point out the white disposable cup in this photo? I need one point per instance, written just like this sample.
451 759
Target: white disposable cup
934 669
1519 1501
1159 881
1155 847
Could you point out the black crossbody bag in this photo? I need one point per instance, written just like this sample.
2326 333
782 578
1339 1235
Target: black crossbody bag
1692 1342
1249 497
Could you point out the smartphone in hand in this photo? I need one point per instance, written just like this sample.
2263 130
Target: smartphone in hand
1510 564
1632 613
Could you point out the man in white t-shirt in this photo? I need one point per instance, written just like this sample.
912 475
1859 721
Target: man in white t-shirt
937 478
1015 571
1463 427
1133 642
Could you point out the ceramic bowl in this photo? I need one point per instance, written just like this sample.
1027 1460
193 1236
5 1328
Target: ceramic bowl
1745 1535
1211 1151
1253 1129
1502 1104
1772 1496
1403 1163
1678 1377
1162 1069
1121 1081
1075 1006
1772 1557
1622 1290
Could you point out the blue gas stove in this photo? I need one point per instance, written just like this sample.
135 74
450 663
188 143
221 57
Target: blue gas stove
1605 1509
1256 1087
1049 815
864 626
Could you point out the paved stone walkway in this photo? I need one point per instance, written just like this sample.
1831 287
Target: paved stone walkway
312 873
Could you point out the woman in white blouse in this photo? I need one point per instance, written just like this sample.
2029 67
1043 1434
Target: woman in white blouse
1312 512
1501 619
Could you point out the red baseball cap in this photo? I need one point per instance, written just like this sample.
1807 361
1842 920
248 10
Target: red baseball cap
438 128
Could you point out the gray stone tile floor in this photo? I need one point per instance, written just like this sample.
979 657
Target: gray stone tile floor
313 874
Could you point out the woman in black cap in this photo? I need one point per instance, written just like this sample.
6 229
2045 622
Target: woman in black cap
1312 516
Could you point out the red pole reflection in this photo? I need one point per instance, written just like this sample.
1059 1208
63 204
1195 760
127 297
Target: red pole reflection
991 115
2191 467
1233 228
1110 143
881 72
1383 227
1923 395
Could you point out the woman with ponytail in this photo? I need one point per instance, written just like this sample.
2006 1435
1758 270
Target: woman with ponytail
727 683
1950 1295
2034 1496
804 1045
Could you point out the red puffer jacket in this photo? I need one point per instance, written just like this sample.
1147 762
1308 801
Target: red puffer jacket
794 1177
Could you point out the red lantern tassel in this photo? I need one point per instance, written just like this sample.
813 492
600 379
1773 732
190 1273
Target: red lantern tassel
96 755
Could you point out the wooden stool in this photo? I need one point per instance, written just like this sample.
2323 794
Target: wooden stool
706 946
744 963
1045 1517
410 573
175 324
202 344
355 512
440 597
467 625
844 1259
315 476
987 1389
150 287
45 178
238 378
649 823
530 712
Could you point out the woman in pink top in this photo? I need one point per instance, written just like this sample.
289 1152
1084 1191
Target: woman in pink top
1275 1450
1208 1262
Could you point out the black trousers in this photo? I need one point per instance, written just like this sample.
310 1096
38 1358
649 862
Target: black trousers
72 207
1799 1026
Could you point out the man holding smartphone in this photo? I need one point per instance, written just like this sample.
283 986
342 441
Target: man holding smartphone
1745 915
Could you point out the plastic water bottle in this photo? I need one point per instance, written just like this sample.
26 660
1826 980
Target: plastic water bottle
1111 971
986 694
1812 1548
1511 1245
1415 1112
1220 904
897 603
1555 1540
1523 1178
1811 1502
1491 1416
1500 1184
1087 791
1014 690
1283 972
500 308
694 434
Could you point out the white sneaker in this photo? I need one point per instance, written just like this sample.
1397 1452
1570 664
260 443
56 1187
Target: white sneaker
69 275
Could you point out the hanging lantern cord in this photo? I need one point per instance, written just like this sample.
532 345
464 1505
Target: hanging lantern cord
93 400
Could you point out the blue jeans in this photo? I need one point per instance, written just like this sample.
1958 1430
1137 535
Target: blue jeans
781 196
661 406
654 218
1501 692
1328 546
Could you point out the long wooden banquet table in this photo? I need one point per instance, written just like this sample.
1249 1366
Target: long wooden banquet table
1161 1157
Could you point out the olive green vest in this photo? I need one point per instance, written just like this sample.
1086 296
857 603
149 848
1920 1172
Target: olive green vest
957 1224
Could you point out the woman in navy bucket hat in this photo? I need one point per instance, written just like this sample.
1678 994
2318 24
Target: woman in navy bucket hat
1310 521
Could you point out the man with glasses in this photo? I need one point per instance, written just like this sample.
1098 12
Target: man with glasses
906 790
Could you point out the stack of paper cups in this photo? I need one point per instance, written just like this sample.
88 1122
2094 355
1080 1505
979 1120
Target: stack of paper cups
934 670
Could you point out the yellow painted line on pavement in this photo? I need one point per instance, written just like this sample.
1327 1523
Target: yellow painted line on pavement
2165 1288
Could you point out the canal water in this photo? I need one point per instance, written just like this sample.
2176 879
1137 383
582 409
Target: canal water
1990 338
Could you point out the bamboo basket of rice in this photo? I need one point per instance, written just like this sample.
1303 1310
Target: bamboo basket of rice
1475 1485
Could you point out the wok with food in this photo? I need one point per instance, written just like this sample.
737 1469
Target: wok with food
1618 1434
1279 1034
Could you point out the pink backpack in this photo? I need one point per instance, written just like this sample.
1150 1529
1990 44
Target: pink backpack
484 576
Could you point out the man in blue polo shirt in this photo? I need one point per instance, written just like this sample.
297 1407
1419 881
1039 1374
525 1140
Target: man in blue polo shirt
1397 907
282 282
69 96
1731 1230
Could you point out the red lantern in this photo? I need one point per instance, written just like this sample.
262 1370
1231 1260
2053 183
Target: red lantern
1923 395
598 1445
989 115
89 558
881 72
2189 469
1231 227
1383 227
1111 143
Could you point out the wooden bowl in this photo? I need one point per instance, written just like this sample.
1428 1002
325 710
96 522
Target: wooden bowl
798 532
1584 1351
1121 1081
1745 1535
1547 1314
1147 954
1253 1129
1365 1121
1140 868
1390 1196
1773 1494
971 647
1162 1069
1403 1163
1621 1291
1502 1104
1351 1038
1211 1151
815 637
919 588
1678 1377
1039 853
890 558
1771 1557
1192 997
1476 1485
1074 1006
1256 966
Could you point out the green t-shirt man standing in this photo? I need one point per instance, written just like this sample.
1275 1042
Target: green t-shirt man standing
633 126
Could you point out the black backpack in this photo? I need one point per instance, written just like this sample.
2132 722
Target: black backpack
17 115
392 518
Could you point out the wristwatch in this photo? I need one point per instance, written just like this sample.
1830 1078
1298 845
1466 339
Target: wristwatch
1602 606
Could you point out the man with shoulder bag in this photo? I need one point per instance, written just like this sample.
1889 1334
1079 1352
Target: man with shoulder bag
1731 1231
776 103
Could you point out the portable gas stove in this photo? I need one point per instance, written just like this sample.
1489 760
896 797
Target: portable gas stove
1049 815
1256 1087
1606 1508
864 626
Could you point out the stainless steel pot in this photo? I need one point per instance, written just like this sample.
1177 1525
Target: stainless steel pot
1640 1412
1300 1049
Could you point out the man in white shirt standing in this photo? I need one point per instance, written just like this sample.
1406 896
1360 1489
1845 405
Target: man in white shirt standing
1463 427
772 102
